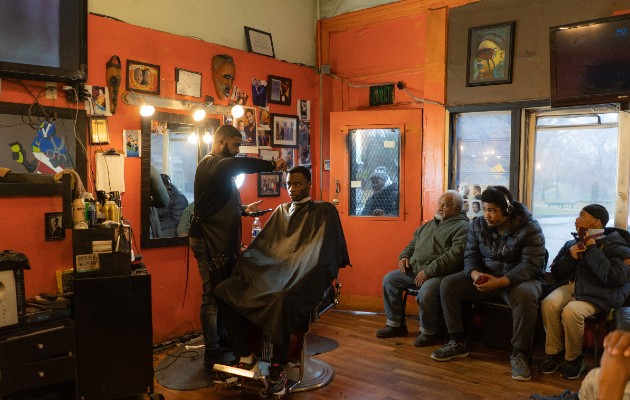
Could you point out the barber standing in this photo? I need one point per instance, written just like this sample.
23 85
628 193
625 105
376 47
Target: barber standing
215 230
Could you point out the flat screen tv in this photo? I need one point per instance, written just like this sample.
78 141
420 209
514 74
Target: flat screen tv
44 40
590 62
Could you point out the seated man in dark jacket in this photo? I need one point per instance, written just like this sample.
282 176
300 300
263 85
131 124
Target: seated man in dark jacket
504 260
591 277
281 277
170 215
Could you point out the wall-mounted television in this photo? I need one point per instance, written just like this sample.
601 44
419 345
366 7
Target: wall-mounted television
44 40
590 62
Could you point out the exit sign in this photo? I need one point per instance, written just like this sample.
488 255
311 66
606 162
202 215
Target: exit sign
381 95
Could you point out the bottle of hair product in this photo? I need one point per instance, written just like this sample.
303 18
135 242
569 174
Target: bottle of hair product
78 210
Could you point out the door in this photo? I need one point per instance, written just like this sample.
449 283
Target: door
376 169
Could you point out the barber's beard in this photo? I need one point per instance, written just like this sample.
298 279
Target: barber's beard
439 216
225 152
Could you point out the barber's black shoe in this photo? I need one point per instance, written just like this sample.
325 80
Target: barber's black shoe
217 356
277 380
391 331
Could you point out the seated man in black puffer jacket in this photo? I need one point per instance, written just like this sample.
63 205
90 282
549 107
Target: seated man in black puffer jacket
171 214
591 277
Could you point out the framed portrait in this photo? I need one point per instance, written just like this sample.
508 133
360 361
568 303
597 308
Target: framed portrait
53 224
279 90
98 130
269 184
284 130
143 77
187 83
259 42
490 54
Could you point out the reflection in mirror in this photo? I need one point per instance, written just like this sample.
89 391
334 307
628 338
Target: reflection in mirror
374 172
172 145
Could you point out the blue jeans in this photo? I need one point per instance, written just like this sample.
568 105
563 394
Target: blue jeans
522 298
209 307
395 282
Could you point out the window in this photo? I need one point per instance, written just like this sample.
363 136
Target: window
575 163
482 144
374 172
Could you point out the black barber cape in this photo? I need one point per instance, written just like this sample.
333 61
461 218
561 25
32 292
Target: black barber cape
280 278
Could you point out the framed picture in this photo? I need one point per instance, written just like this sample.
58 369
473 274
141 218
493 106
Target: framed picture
304 109
187 83
279 90
259 42
284 130
142 77
490 54
269 184
98 131
53 224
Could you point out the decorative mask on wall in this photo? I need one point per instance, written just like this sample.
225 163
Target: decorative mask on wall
223 73
112 75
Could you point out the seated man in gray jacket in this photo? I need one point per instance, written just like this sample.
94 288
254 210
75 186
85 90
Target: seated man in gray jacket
436 250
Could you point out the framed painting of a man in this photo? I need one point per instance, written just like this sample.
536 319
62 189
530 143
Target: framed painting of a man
490 54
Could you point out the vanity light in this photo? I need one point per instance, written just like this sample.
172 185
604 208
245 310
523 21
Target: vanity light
207 138
238 111
193 138
147 110
137 99
199 113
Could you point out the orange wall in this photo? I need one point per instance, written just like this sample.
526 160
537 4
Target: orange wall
397 42
172 313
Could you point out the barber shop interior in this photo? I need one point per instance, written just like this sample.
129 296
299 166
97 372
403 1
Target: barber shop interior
315 199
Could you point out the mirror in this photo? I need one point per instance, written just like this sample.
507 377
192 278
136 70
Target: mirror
171 147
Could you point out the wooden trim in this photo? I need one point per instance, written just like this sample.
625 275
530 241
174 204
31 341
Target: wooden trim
374 15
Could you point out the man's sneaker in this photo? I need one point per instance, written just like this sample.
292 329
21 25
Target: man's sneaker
551 364
449 351
277 380
520 368
566 395
425 340
573 369
392 331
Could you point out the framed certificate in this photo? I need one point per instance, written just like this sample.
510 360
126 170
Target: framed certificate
259 42
98 131
188 83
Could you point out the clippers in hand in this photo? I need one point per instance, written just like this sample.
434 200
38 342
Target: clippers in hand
259 213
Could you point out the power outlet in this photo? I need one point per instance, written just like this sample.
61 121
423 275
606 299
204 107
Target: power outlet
51 90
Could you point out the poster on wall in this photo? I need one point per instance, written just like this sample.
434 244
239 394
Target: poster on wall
98 102
132 139
304 139
259 92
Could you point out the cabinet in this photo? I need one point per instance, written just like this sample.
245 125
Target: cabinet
38 359
114 332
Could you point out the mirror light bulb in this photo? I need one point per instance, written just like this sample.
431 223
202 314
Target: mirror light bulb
192 138
147 110
238 111
207 138
199 114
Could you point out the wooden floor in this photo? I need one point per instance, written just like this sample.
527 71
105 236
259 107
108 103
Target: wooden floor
367 367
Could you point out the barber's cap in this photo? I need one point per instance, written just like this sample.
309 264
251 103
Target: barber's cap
381 172
597 211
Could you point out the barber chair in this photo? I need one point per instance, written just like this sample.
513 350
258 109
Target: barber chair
307 373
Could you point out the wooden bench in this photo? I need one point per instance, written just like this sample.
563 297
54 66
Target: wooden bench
561 204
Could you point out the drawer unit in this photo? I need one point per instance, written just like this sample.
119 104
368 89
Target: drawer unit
37 357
